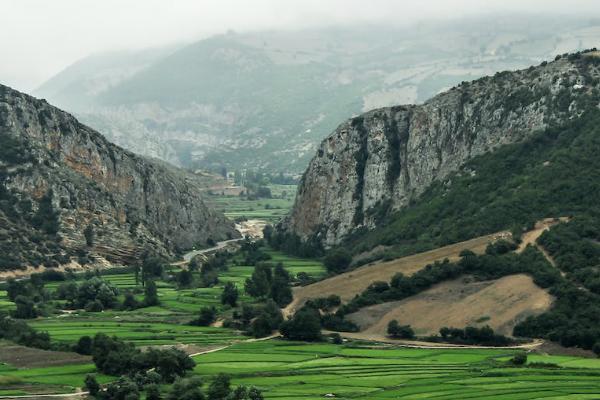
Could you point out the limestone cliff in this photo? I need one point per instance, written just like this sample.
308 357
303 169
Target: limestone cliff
129 203
384 159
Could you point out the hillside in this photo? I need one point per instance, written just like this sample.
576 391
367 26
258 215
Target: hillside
500 304
352 283
446 171
68 196
266 99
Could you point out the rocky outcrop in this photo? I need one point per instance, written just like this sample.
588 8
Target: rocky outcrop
382 160
130 204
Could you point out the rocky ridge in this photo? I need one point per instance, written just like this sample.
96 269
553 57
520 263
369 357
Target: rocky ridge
128 203
384 159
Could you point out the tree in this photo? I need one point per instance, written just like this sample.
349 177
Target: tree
25 308
89 235
152 392
91 384
186 389
152 267
46 218
281 290
123 389
596 348
337 261
151 294
185 278
83 345
130 302
230 294
220 387
258 284
255 394
305 325
207 316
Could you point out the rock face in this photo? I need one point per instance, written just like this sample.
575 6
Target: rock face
129 203
384 159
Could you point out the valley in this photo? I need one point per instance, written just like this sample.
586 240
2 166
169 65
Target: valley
446 249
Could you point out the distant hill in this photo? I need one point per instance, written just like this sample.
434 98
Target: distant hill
266 99
70 197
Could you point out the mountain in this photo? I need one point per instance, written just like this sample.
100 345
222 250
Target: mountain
67 195
266 99
426 175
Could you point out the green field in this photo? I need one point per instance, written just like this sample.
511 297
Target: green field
166 323
290 370
270 210
287 370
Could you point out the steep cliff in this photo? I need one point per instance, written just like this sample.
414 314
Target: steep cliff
67 194
383 160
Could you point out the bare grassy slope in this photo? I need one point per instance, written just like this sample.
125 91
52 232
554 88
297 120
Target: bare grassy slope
351 283
500 303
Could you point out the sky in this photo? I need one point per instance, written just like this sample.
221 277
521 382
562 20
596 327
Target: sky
39 38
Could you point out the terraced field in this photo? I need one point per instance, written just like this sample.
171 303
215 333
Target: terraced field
270 210
287 370
291 370
164 324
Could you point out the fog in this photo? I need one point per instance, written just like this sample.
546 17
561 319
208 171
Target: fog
38 38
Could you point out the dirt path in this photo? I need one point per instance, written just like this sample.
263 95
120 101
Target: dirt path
416 344
531 237
354 282
187 257
50 396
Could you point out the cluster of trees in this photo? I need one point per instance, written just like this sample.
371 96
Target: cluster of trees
29 296
19 332
305 325
337 261
113 356
291 243
257 320
274 283
145 371
93 294
484 336
397 331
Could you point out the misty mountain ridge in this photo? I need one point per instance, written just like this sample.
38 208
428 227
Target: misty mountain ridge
266 99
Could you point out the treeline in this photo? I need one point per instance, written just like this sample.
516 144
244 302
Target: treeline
291 243
471 335
497 262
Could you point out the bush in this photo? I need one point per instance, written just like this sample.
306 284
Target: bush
519 359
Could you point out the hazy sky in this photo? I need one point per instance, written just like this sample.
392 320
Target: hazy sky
38 38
